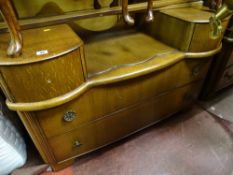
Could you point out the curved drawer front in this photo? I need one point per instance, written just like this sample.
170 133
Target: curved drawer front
190 26
51 65
40 81
94 135
105 100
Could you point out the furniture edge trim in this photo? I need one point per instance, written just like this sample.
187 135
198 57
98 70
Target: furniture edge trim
110 77
203 54
13 62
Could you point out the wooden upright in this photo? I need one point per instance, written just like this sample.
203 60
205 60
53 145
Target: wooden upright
16 41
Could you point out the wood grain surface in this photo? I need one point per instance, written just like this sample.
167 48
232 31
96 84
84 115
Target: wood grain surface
194 29
120 95
120 124
113 83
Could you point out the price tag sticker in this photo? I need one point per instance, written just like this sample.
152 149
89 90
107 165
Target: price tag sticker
42 52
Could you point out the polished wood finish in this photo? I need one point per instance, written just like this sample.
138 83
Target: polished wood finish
122 48
47 73
74 97
39 49
69 16
195 29
130 93
116 73
16 40
97 133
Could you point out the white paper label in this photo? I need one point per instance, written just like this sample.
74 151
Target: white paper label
42 52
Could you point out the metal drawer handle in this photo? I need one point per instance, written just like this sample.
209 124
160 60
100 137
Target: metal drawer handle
69 116
77 144
196 70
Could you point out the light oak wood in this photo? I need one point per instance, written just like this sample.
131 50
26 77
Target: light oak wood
85 95
50 74
194 27
41 44
16 40
131 119
121 95
122 66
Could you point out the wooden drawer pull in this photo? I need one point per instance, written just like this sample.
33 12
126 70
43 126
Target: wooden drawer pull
69 116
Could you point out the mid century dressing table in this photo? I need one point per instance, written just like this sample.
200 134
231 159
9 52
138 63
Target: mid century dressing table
84 79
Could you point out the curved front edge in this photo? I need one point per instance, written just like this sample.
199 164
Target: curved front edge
122 73
203 54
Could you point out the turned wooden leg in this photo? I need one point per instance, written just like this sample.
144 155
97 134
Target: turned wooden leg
127 18
15 47
150 15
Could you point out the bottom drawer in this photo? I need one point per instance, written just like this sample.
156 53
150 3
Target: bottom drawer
111 128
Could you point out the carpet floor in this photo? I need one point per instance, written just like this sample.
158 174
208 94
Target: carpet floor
192 142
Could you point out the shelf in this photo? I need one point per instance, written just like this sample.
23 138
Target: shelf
123 48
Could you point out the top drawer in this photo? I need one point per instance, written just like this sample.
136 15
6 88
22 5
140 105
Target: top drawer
40 81
51 65
104 100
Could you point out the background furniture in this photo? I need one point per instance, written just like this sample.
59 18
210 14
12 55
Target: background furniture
220 75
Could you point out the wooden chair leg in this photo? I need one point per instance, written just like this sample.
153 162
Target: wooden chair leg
15 47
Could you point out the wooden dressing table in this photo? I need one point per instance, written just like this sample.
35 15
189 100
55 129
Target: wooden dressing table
76 94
